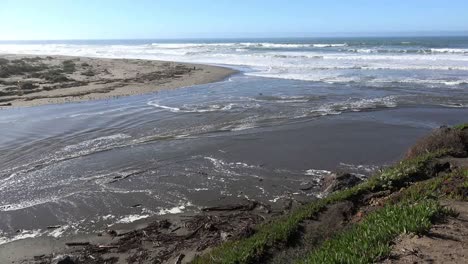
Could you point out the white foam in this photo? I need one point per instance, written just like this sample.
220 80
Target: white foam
174 210
86 145
317 173
461 51
200 189
329 45
221 163
24 234
355 105
58 232
193 108
243 126
131 218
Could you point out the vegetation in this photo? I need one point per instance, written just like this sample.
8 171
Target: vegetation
444 138
27 86
411 210
461 126
88 73
18 67
54 75
4 61
370 240
282 229
68 66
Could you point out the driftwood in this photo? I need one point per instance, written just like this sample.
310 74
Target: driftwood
194 232
106 246
308 188
175 229
233 207
77 244
179 259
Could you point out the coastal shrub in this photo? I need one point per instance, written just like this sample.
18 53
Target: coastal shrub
442 138
54 75
27 86
33 59
19 67
453 185
411 211
4 72
88 73
461 126
4 61
68 66
370 240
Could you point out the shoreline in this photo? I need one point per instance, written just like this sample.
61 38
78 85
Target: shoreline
31 80
208 235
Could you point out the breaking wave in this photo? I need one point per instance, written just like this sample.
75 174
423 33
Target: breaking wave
315 61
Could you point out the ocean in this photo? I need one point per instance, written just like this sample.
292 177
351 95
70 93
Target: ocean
298 110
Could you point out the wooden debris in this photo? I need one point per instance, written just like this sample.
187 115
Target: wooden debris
77 244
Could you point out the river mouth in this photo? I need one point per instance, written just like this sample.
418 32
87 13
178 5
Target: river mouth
87 166
299 109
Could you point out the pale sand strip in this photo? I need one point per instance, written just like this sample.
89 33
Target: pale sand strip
96 78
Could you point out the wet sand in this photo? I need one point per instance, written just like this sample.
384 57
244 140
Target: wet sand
39 80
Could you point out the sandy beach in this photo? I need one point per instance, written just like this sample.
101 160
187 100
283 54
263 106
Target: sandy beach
37 80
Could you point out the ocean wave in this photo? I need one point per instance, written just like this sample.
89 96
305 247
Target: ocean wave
226 45
246 45
461 51
421 51
329 45
298 61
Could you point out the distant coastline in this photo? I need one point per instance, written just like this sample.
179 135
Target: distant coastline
30 80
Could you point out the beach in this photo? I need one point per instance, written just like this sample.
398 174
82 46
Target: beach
98 148
38 80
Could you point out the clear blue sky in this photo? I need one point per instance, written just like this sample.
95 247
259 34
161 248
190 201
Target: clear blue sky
114 19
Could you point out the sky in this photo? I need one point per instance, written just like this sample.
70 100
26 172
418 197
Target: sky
153 19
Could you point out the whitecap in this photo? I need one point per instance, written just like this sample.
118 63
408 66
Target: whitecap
131 218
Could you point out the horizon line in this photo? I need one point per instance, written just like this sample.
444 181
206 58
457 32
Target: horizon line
249 36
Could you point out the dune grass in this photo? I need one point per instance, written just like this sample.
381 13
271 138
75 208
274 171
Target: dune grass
412 211
461 126
280 230
451 186
370 240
